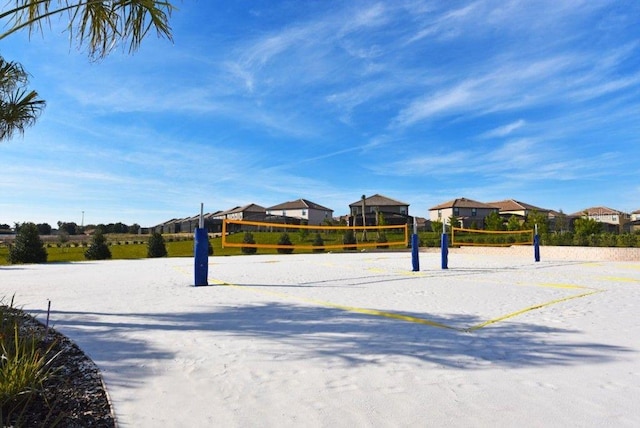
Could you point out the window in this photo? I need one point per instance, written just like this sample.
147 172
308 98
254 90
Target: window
456 211
304 212
439 213
474 212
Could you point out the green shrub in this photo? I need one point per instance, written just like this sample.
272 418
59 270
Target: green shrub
98 250
24 367
383 239
349 238
248 239
318 242
285 240
27 247
156 246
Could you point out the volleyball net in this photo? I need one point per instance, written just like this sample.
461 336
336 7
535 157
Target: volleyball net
498 238
287 238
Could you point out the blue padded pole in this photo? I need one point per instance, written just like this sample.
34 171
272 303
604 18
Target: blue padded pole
415 247
444 249
201 252
536 245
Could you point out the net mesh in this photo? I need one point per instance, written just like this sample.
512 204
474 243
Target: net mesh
496 238
286 238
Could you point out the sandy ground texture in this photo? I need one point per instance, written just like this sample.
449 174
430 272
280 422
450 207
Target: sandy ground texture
351 340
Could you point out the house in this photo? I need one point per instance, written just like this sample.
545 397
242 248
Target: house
511 207
394 212
301 209
250 212
612 220
467 211
634 224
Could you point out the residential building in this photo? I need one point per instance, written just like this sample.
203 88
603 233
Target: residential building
250 212
394 212
612 220
467 211
301 209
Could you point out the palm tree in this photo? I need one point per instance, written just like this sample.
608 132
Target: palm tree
19 108
98 24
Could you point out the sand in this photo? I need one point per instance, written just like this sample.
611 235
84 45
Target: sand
346 340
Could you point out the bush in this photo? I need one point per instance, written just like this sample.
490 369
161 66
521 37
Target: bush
285 240
98 250
248 239
349 238
156 246
27 247
318 242
381 240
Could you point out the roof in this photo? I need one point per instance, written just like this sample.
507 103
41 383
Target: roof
299 204
463 203
249 207
379 200
513 205
596 211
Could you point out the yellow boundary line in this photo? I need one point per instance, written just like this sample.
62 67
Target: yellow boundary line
409 318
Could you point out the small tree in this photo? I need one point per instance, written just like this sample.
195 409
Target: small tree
98 250
493 221
513 223
349 238
248 239
27 247
285 240
156 246
318 242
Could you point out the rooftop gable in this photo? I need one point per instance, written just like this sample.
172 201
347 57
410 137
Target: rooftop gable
513 205
462 203
299 204
379 200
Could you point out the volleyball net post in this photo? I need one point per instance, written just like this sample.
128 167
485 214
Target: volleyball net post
415 247
444 247
201 252
536 245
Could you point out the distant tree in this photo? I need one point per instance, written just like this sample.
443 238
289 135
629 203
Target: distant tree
513 223
134 228
454 221
561 223
436 226
493 221
303 234
248 239
349 238
27 247
537 218
5 227
156 246
285 240
71 228
44 228
98 250
585 226
318 242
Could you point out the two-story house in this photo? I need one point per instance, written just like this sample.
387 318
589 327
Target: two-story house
467 211
302 209
394 212
612 220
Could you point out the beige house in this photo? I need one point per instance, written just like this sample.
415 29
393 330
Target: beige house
510 207
613 220
467 211
302 209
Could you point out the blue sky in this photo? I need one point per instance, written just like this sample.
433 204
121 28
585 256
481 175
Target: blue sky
270 101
